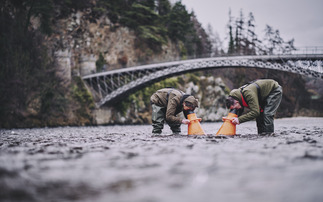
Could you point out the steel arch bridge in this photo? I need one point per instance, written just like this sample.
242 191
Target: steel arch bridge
110 85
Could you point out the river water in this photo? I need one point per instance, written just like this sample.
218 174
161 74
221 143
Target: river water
127 163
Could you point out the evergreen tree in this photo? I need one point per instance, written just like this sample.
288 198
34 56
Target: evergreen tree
289 46
163 7
273 41
139 15
231 48
65 7
146 22
149 3
201 41
216 43
239 38
251 39
246 41
180 23
26 66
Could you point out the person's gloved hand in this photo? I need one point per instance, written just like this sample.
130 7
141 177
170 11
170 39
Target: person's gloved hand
185 121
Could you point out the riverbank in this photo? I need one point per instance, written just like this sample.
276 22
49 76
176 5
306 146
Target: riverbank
127 163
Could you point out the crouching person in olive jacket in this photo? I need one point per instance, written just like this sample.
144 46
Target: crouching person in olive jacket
166 104
262 97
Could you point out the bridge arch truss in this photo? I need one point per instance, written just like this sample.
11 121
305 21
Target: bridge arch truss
111 85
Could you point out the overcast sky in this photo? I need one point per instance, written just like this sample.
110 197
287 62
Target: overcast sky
298 19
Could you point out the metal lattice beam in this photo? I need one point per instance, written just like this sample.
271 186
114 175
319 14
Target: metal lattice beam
113 84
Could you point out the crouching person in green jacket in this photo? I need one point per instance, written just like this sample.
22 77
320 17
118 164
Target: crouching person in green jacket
166 104
262 97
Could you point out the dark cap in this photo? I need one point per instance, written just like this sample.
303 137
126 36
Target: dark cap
191 99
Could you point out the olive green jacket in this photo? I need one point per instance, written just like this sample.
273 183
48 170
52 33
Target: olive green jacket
172 106
250 94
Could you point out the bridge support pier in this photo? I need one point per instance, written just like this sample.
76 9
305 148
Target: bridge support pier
63 71
87 65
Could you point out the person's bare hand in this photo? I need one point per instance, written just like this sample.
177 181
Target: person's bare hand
185 121
235 121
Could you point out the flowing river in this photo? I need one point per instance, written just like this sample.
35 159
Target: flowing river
129 164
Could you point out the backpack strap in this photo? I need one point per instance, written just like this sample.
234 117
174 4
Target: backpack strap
171 91
184 96
261 102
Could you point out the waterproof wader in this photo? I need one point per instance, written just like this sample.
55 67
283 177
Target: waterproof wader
265 121
158 119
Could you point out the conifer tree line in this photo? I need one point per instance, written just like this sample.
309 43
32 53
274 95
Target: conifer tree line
156 21
243 39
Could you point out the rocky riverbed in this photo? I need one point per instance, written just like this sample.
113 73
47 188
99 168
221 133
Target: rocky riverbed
127 163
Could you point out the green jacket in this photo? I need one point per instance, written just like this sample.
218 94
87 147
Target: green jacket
250 94
173 106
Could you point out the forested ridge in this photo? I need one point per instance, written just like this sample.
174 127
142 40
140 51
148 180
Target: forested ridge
32 95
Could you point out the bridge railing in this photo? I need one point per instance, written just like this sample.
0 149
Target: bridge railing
309 50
